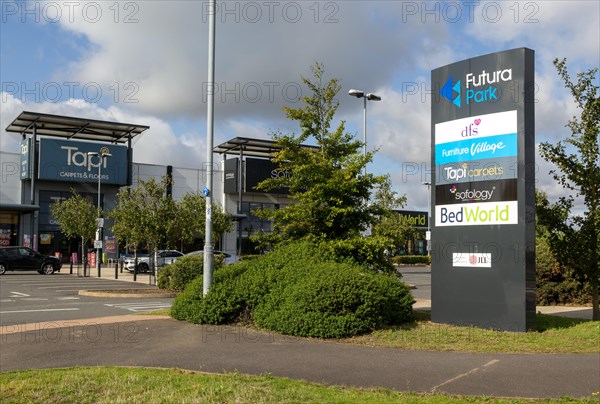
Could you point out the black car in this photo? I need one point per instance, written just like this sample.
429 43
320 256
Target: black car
25 259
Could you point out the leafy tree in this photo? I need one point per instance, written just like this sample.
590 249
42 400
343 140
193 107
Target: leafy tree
389 224
146 214
127 217
556 284
330 190
76 217
575 239
191 218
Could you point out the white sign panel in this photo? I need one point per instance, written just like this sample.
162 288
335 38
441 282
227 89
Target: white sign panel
475 260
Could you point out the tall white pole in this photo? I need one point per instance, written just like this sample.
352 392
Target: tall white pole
99 250
365 131
210 89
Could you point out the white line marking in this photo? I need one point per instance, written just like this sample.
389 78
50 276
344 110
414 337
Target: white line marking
492 362
136 307
68 298
31 299
19 294
35 311
7 300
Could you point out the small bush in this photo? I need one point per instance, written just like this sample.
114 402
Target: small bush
219 306
556 285
368 251
298 290
176 276
412 260
337 300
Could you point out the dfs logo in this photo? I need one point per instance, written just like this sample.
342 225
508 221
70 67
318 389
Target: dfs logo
452 90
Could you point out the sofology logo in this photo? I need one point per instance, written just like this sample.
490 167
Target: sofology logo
472 195
473 92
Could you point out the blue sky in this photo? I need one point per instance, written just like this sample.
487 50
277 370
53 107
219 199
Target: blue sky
145 62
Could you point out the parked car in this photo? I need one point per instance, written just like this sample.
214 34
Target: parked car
26 259
227 257
145 262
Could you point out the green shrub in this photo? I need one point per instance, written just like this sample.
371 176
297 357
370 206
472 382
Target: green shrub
367 251
163 279
556 285
412 260
337 300
219 306
176 276
298 290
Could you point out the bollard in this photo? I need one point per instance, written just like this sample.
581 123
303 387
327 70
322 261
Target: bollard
135 269
117 269
71 266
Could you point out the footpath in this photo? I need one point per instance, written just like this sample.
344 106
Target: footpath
151 341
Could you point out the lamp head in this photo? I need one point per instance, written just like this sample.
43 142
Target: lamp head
356 93
373 97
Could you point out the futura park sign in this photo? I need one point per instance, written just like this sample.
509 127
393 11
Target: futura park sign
483 225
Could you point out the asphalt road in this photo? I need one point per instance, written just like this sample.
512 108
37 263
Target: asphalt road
28 297
172 344
420 278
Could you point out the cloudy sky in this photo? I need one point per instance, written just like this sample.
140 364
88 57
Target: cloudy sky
145 62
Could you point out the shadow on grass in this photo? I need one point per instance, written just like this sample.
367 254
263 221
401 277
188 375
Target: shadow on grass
548 322
544 322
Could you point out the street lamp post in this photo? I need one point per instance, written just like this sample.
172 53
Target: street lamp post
365 97
101 156
428 183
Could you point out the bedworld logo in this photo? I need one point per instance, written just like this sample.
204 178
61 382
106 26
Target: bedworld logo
452 91
472 195
485 213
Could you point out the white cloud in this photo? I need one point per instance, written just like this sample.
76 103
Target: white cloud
258 60
158 145
556 29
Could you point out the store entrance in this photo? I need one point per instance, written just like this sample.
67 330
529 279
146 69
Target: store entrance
9 225
53 242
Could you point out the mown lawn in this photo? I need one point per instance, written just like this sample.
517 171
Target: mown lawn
554 335
149 385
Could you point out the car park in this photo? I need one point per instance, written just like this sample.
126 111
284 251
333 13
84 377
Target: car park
146 262
26 259
228 258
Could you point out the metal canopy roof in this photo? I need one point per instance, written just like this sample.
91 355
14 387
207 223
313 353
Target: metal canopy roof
74 128
251 147
13 207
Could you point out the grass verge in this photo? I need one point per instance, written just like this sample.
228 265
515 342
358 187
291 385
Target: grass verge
143 385
554 335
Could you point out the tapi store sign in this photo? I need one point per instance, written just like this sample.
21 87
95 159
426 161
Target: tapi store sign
69 161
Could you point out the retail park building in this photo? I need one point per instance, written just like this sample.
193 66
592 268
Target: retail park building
60 153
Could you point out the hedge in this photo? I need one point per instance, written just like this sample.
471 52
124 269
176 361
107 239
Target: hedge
177 275
298 290
412 260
